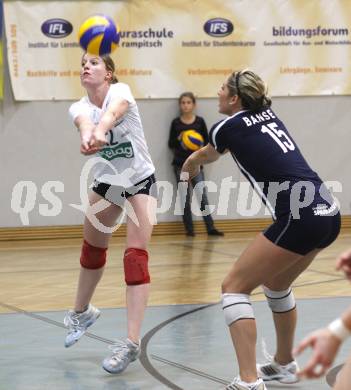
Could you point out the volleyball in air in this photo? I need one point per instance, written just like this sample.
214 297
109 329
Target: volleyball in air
99 35
192 140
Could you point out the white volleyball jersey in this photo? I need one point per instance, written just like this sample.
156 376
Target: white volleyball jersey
126 149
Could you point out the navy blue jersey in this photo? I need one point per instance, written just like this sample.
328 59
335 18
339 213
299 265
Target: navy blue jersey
266 154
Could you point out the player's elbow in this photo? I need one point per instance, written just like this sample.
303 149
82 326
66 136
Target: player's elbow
213 156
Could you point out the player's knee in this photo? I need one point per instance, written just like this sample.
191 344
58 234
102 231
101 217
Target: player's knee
136 270
236 307
280 301
92 257
237 285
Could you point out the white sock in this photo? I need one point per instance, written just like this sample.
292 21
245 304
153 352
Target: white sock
133 342
251 383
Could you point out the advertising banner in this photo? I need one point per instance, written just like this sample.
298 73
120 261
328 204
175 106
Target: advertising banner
298 47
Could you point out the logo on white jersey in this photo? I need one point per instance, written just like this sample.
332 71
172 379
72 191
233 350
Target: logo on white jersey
123 150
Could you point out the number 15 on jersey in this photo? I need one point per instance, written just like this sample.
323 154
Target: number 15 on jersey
279 136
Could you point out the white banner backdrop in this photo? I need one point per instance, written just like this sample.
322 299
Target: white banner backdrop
168 46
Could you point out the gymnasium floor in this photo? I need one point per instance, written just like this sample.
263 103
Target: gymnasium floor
185 342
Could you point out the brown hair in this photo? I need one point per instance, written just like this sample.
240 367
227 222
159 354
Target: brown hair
110 65
250 88
190 95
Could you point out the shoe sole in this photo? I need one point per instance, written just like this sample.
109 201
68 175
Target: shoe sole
119 372
89 324
112 372
295 380
281 380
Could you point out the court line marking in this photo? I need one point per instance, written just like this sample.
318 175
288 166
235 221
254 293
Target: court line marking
75 269
189 369
144 359
210 250
111 244
235 255
334 274
50 321
246 236
156 265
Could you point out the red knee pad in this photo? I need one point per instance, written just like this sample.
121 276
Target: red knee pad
136 269
92 257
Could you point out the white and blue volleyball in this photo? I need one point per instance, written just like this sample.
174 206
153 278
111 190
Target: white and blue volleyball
99 35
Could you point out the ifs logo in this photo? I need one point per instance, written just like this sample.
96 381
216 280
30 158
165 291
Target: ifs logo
56 28
218 27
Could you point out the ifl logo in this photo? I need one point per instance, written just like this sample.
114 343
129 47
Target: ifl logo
56 28
218 27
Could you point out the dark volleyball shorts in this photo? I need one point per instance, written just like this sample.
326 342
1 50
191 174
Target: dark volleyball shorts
316 228
118 195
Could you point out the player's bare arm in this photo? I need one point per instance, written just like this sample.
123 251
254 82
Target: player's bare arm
86 128
117 108
205 155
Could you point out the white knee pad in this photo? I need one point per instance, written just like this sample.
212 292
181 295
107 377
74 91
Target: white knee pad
280 301
236 307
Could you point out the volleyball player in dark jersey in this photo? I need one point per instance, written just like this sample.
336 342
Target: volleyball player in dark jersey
305 220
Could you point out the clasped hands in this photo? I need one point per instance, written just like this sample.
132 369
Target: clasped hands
92 142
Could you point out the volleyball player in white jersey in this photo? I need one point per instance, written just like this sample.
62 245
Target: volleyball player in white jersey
110 127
